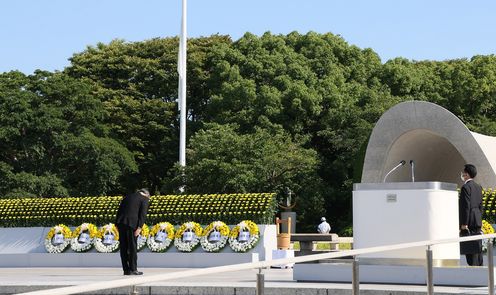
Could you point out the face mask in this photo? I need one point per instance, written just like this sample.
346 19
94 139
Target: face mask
461 177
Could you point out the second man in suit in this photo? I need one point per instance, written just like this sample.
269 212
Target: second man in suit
129 221
470 206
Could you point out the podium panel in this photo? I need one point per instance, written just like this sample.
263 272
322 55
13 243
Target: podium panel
402 212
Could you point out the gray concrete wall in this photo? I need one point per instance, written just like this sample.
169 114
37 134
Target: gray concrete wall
24 247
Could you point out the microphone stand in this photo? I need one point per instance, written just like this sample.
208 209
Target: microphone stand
396 167
412 163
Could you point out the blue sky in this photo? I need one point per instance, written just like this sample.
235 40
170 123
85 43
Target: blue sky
43 34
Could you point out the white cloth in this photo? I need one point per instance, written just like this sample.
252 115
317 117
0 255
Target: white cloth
324 228
280 254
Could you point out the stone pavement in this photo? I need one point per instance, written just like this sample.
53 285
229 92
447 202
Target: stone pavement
277 281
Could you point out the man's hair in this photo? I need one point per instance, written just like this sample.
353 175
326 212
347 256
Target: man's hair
144 192
470 170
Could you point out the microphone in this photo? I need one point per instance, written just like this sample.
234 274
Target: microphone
395 167
412 163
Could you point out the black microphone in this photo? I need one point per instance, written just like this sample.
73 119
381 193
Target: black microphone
402 162
412 163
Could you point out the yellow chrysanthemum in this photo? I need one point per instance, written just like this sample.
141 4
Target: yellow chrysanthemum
90 227
145 230
65 230
169 228
108 227
245 224
219 225
194 226
487 228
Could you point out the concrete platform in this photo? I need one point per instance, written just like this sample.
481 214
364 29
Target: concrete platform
391 274
148 259
277 282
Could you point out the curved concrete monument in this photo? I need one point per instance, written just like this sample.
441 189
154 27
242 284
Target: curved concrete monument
435 139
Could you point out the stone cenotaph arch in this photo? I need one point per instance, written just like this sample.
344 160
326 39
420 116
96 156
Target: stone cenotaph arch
435 139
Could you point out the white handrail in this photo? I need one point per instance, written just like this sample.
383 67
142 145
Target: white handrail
244 266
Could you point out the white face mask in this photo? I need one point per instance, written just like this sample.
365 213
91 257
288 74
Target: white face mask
461 177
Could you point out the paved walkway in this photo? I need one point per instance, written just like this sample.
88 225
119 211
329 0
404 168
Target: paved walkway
277 281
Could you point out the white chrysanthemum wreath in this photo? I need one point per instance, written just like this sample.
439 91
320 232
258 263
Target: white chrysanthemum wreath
107 239
143 237
58 238
188 236
215 236
83 237
244 236
161 236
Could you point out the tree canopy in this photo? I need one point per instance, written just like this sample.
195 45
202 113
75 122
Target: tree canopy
265 113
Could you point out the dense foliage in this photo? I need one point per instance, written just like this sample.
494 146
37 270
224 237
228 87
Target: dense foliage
265 113
230 208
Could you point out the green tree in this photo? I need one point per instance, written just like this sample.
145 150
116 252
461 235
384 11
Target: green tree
50 121
221 160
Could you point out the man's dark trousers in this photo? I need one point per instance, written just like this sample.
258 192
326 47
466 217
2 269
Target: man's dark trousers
129 248
475 259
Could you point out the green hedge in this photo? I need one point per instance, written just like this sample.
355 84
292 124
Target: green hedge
176 209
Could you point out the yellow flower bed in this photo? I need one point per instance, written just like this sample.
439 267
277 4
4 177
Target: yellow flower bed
178 209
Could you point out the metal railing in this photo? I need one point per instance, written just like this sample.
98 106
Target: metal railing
134 281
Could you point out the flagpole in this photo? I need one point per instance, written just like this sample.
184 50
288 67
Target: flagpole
182 87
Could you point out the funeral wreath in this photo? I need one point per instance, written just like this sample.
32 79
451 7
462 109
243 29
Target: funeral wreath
58 239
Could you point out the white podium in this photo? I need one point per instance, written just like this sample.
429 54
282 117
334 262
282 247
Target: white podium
402 212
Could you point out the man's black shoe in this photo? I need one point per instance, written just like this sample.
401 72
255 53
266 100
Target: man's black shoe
136 273
127 273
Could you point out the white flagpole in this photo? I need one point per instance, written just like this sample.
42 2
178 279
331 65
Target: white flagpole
182 87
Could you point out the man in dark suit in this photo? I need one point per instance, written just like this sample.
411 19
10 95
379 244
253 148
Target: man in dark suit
470 206
129 221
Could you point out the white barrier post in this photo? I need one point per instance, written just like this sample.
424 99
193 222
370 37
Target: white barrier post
260 282
490 267
430 284
134 291
356 277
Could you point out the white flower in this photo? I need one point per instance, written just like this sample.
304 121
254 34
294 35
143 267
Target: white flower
81 247
186 246
242 225
51 248
102 248
158 247
243 247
